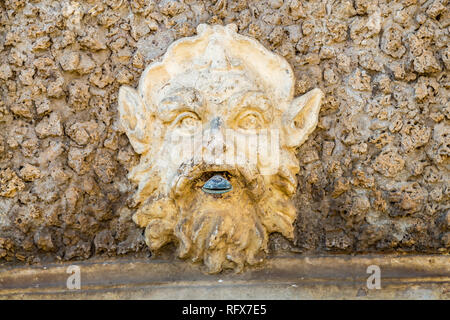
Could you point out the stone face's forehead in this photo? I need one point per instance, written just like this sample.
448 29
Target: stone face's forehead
220 55
214 87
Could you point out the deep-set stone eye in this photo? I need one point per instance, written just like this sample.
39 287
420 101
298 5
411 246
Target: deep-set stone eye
188 121
250 121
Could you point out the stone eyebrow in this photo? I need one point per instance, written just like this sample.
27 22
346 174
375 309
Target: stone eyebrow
252 100
171 106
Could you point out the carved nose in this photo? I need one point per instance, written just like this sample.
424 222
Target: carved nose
217 184
216 123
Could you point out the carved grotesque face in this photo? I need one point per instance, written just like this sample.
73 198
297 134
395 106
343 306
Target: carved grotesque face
217 125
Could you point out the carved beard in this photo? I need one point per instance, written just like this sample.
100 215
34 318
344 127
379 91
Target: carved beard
224 231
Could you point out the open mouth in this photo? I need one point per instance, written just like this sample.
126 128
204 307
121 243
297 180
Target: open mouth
217 184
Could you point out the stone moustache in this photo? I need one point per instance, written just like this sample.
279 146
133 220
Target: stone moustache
200 119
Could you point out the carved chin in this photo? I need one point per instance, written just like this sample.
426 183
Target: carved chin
223 231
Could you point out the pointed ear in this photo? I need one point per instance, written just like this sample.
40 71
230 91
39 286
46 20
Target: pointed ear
134 119
300 120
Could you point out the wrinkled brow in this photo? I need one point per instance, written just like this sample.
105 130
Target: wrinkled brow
177 102
256 100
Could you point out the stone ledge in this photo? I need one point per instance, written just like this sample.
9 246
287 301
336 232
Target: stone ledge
282 277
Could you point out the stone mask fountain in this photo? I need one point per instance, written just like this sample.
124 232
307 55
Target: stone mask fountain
217 125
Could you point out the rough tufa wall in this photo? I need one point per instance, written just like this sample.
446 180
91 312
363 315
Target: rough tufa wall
374 174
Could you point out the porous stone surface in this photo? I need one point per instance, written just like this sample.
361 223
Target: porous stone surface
374 175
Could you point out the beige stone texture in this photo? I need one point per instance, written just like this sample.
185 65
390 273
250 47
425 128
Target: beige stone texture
373 176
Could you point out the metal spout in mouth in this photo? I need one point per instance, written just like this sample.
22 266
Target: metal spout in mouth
217 185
